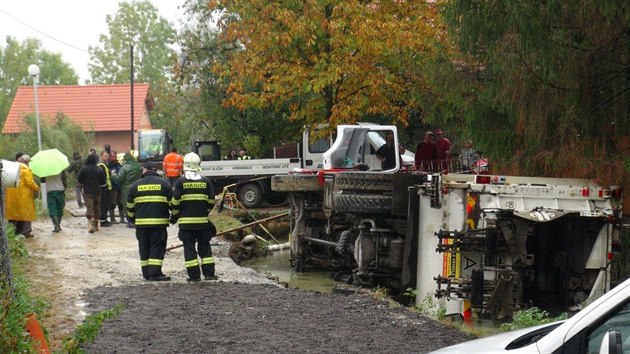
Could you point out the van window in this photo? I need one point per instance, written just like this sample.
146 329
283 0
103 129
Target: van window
619 320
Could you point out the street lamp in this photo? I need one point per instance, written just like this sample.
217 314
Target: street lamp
33 70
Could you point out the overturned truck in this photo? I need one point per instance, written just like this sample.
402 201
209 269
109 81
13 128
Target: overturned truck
485 243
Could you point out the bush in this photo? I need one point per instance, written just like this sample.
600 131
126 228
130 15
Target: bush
16 304
531 317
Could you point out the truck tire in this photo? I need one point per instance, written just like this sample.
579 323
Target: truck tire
364 181
250 195
363 203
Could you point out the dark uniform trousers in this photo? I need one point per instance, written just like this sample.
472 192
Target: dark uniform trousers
152 247
202 239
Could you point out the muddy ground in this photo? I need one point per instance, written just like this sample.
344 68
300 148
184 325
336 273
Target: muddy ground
82 273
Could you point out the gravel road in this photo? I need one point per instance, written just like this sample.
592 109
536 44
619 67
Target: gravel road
82 273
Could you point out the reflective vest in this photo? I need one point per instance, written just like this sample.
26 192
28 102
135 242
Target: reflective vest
108 181
173 165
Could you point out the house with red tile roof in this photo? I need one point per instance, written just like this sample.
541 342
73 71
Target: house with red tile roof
103 109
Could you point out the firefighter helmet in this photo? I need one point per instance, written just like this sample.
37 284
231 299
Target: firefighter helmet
191 162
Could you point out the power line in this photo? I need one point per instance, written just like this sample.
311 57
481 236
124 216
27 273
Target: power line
42 33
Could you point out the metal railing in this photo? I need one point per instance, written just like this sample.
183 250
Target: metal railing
453 166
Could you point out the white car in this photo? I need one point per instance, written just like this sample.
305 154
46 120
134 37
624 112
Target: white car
601 327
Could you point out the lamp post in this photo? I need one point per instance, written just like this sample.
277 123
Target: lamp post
33 70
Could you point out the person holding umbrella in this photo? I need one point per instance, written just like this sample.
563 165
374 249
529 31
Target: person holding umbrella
56 197
50 166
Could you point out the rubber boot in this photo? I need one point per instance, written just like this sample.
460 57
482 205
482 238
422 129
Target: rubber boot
112 215
91 225
55 220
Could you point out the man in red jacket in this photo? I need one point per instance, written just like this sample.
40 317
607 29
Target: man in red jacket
442 149
426 153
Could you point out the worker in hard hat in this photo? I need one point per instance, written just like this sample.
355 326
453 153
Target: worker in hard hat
193 199
148 207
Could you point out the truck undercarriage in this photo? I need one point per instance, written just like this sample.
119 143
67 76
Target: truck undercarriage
493 244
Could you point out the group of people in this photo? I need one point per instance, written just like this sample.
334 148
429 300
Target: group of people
103 184
146 202
434 154
149 202
153 202
238 154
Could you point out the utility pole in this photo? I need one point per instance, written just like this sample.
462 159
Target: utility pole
131 80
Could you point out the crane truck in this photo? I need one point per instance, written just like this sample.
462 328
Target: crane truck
489 244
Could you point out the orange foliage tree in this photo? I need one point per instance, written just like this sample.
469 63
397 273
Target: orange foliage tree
330 61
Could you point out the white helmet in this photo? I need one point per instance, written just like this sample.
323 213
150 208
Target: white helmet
191 162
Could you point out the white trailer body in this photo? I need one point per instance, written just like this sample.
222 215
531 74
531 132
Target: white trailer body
252 177
495 243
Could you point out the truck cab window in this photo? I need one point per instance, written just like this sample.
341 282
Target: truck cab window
208 153
618 320
321 145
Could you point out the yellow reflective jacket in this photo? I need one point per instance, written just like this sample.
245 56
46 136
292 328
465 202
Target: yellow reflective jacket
20 205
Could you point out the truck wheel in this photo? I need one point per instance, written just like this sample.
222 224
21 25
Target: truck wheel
250 195
364 181
363 203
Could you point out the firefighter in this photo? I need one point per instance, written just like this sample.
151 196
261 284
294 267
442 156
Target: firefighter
193 198
148 207
173 165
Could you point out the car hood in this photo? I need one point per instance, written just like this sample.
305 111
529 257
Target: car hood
499 342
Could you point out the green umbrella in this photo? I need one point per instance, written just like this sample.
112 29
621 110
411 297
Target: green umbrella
48 163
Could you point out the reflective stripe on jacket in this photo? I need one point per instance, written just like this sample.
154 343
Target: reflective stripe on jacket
149 201
192 202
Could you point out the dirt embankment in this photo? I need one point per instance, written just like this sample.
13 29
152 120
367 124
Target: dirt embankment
81 273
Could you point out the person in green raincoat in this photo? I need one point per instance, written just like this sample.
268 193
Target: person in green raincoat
130 172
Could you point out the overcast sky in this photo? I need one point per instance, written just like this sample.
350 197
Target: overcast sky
68 27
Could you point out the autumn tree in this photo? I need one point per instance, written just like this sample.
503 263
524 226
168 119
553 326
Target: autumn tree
135 23
257 129
550 83
330 61
15 57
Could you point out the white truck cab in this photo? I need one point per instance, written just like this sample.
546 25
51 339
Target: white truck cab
357 147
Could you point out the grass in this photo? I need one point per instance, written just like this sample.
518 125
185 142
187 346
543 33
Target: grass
87 331
17 304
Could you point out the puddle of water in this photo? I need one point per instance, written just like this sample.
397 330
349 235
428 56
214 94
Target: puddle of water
277 264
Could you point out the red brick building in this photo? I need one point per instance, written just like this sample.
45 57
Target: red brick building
104 109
